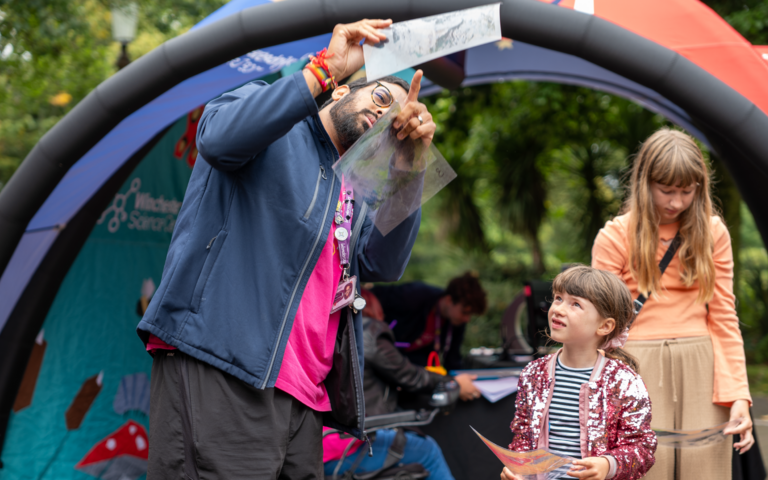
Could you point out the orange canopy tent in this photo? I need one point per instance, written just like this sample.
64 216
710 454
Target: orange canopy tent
695 31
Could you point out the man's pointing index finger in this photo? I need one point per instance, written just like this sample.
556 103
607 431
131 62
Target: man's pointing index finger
413 93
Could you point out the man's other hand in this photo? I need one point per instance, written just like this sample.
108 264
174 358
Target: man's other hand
412 109
467 389
345 49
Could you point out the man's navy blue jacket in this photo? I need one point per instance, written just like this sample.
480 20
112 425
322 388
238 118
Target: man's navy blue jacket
256 215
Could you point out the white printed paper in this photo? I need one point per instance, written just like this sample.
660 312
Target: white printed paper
694 438
418 41
495 390
539 464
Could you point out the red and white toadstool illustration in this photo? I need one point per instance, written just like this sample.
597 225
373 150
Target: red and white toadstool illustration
121 456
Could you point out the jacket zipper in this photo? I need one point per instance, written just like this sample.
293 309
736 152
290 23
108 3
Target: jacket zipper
358 227
296 285
320 175
359 377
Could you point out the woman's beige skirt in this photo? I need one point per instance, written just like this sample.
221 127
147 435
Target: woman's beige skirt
679 375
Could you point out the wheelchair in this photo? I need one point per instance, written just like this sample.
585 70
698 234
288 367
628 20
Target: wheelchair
442 399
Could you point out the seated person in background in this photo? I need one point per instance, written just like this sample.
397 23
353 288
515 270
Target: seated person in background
432 319
387 370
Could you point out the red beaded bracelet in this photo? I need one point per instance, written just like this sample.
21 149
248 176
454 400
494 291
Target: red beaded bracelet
319 68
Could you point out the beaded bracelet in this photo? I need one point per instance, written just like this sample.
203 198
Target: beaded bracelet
319 68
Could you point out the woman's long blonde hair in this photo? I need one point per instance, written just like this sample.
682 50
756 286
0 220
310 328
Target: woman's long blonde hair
672 158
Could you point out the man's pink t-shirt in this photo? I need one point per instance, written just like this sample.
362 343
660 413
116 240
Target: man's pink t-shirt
309 354
154 344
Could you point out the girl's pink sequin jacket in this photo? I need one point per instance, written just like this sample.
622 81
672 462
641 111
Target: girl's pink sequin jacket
614 413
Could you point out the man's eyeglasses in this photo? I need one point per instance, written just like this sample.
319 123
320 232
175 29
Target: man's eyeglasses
381 96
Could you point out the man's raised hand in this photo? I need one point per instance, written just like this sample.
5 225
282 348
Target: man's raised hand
408 118
347 53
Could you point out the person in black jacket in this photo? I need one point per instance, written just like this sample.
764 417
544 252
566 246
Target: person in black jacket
426 318
386 372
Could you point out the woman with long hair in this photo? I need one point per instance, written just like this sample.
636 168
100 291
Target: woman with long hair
686 336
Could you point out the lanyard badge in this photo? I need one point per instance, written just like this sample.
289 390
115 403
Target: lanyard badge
346 293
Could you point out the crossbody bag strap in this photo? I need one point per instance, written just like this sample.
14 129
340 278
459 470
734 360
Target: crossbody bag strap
663 264
394 455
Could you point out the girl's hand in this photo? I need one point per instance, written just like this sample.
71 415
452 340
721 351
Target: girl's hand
506 474
592 468
740 411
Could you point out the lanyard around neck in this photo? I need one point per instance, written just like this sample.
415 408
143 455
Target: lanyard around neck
343 218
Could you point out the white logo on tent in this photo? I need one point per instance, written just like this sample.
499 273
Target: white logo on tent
251 62
144 206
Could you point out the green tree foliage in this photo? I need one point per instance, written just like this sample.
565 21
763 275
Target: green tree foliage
524 142
541 169
54 52
753 290
748 17
540 165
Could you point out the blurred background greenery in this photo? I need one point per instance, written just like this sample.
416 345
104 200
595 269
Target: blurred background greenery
540 165
541 169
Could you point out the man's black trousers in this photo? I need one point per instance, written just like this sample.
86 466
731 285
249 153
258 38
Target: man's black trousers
206 424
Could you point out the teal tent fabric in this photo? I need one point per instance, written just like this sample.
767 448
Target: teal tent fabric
91 327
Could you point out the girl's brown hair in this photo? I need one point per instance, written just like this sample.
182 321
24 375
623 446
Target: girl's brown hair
671 158
608 294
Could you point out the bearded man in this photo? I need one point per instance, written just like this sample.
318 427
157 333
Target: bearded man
249 359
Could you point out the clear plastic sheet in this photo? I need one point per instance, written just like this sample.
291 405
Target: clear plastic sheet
393 177
693 438
536 465
423 39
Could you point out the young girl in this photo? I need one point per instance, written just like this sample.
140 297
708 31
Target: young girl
686 337
586 401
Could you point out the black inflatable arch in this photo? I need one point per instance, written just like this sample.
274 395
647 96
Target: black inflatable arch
736 128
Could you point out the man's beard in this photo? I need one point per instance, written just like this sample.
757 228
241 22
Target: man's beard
349 125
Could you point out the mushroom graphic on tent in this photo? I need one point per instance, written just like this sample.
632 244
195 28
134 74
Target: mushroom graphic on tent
132 394
121 456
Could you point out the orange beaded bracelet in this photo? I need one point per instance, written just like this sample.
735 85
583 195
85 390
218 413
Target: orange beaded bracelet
319 68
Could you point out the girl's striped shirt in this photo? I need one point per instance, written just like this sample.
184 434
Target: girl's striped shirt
564 429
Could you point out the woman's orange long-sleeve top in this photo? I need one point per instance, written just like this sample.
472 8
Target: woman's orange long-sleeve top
674 313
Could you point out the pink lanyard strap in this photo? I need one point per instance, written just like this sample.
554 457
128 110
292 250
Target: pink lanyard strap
343 219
